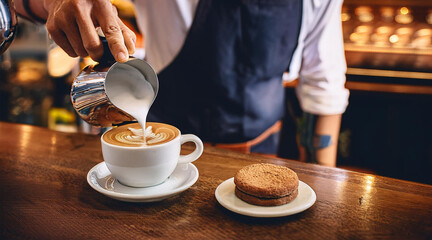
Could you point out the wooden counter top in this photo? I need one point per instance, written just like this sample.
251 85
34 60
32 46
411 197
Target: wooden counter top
45 195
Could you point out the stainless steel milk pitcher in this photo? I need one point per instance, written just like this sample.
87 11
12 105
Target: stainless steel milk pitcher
88 93
8 24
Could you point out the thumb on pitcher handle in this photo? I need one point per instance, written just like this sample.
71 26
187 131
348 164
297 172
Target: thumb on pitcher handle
199 147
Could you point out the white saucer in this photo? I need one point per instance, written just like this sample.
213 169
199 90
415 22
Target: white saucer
226 197
101 180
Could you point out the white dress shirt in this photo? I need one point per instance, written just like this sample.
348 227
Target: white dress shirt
318 61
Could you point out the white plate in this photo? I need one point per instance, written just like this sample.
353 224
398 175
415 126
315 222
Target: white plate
101 180
226 197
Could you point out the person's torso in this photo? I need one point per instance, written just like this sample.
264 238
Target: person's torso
225 82
165 24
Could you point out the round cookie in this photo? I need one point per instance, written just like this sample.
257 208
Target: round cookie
266 184
265 201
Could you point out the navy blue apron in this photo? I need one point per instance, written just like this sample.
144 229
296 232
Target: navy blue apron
225 85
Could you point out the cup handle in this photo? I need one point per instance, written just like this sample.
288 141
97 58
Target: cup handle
199 147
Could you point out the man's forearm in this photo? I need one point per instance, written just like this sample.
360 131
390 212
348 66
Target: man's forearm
327 127
319 138
34 7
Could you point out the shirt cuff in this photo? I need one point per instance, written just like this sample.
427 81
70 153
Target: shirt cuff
316 101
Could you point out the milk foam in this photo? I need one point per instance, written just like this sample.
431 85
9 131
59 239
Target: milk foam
136 136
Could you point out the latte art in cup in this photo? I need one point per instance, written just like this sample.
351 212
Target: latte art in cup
131 135
137 165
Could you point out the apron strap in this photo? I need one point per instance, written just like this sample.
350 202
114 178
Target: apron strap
245 147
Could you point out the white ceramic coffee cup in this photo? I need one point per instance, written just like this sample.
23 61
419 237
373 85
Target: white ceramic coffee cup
147 166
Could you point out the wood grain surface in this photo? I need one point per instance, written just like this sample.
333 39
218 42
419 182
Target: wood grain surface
45 195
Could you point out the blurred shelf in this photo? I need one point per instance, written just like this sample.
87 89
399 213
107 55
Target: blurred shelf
388 88
389 73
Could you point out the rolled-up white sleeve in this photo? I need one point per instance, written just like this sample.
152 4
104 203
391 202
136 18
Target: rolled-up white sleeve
321 88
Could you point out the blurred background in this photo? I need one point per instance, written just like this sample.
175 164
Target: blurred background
386 130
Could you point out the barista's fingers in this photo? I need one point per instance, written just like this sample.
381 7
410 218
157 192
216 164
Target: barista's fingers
115 40
66 24
107 19
60 39
59 36
74 37
90 38
129 37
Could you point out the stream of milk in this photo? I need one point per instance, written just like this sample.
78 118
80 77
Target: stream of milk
128 90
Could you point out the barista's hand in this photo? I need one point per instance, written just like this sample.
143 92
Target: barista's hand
72 24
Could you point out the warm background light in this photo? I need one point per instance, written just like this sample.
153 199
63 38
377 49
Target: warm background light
404 10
